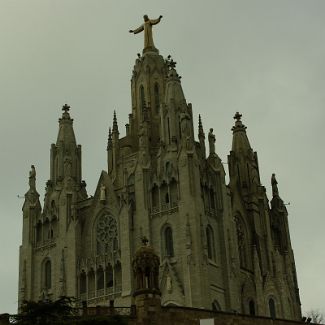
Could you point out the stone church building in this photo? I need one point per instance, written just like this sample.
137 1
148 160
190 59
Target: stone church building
221 246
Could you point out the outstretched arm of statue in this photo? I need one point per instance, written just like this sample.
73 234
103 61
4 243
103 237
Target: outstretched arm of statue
155 21
137 30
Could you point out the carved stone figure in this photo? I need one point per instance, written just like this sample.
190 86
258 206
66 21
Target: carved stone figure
212 140
274 183
169 283
102 196
147 28
67 167
32 177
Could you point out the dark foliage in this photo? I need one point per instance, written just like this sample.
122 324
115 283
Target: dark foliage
61 312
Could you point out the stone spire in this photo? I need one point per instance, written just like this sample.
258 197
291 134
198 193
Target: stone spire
201 137
240 141
66 133
243 162
177 121
109 140
65 154
115 125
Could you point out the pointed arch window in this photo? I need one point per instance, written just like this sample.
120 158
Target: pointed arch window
100 278
210 243
155 196
39 232
169 245
142 98
242 243
83 282
251 306
272 308
216 306
47 275
212 199
156 95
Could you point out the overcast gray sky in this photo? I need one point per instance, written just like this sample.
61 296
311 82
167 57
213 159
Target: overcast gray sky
262 58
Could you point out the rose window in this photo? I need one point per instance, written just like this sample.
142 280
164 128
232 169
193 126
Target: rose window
106 234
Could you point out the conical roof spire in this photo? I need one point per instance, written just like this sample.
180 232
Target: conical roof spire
109 141
66 133
240 140
115 125
201 132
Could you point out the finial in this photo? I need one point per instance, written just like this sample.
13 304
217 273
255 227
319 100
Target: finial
115 126
201 132
110 133
238 124
171 64
145 241
65 108
237 117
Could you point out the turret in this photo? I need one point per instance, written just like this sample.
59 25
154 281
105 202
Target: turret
31 215
146 275
109 151
279 219
115 136
176 116
243 163
31 209
65 154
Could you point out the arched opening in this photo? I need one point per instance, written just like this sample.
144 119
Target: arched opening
47 275
167 198
91 283
156 96
100 278
169 246
46 229
272 308
109 277
83 282
54 227
242 242
39 232
155 196
216 306
142 99
118 277
251 306
164 196
212 199
173 192
210 243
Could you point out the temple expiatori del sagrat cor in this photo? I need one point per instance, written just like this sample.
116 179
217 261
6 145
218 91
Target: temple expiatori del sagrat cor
221 246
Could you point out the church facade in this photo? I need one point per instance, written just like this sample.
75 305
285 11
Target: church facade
221 246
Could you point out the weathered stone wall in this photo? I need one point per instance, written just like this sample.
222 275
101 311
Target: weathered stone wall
192 316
